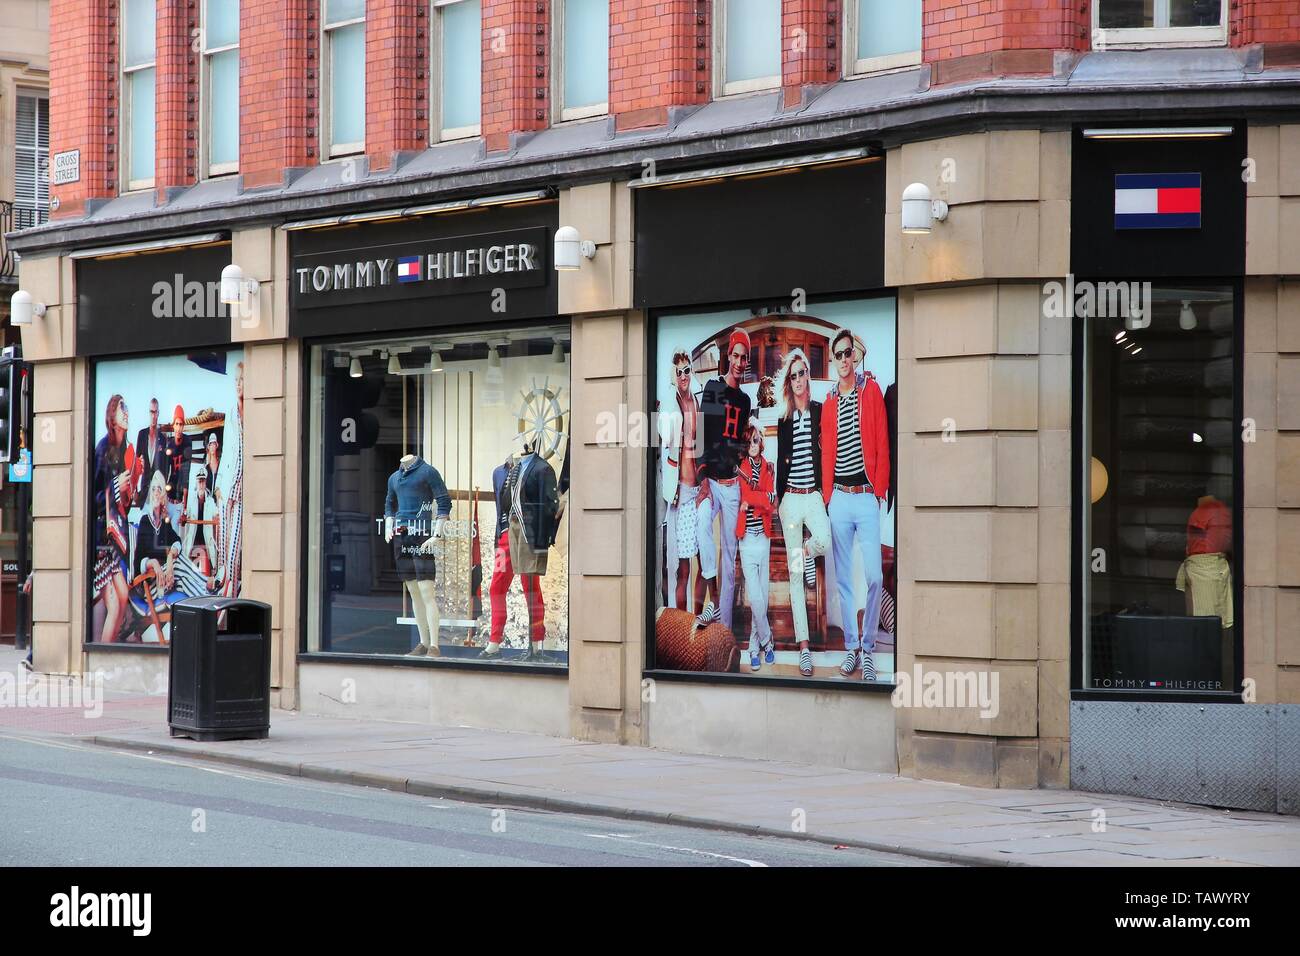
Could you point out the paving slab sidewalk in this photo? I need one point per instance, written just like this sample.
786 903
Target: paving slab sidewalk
925 819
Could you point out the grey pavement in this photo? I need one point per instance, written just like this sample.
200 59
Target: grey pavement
927 820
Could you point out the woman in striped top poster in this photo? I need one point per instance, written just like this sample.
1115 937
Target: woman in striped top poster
798 488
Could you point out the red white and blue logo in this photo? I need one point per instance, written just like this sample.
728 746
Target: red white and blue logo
408 269
1158 201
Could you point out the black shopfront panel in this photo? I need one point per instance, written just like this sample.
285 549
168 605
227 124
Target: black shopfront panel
152 302
483 266
1216 247
1158 420
816 228
754 284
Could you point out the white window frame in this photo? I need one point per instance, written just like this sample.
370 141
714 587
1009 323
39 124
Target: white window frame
332 149
128 110
42 170
436 131
872 64
567 113
1134 38
720 85
211 169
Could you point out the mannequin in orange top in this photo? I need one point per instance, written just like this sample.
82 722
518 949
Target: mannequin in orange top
1205 577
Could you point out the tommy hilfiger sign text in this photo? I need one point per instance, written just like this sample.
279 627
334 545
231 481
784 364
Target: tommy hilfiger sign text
452 266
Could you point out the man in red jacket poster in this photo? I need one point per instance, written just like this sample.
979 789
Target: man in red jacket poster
855 480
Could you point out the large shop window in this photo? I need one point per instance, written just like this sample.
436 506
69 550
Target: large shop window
167 489
438 483
1161 550
774 538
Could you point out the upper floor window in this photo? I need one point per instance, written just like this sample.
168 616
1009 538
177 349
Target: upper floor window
139 35
458 55
1151 22
344 57
31 159
747 45
221 85
882 34
582 61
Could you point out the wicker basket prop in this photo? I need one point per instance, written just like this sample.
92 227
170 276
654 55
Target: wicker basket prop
680 646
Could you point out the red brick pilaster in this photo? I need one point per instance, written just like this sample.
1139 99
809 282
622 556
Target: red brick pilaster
516 69
1273 23
810 46
84 62
660 56
397 38
279 76
176 96
968 39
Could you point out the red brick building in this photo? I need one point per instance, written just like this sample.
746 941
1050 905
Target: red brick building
393 179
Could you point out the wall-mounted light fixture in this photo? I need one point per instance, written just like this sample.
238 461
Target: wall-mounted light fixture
571 249
921 211
235 289
22 308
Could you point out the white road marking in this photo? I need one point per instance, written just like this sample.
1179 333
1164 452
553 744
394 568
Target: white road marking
680 849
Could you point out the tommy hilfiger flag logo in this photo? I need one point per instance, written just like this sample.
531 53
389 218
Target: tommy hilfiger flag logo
408 269
1158 201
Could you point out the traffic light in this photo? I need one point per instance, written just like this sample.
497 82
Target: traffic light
15 405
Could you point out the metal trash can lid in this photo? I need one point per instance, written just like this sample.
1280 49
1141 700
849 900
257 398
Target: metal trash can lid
220 603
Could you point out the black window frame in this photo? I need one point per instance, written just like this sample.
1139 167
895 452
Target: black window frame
306 447
1080 505
741 679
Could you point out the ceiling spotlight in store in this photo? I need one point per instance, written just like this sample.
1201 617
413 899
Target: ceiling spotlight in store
354 368
22 308
921 211
435 355
394 365
1197 438
571 249
1119 336
557 353
1137 350
1187 318
494 357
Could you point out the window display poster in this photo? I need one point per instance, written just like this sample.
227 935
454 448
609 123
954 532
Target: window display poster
774 496
166 489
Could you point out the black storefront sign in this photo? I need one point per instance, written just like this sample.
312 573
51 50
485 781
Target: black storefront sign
1118 231
815 228
154 301
424 272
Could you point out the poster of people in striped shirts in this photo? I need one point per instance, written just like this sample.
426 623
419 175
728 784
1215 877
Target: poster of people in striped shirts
166 489
774 531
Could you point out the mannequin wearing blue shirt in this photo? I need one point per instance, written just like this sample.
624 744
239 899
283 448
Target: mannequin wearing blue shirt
413 490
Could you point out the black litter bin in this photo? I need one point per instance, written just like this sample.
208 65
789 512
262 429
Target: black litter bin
220 686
